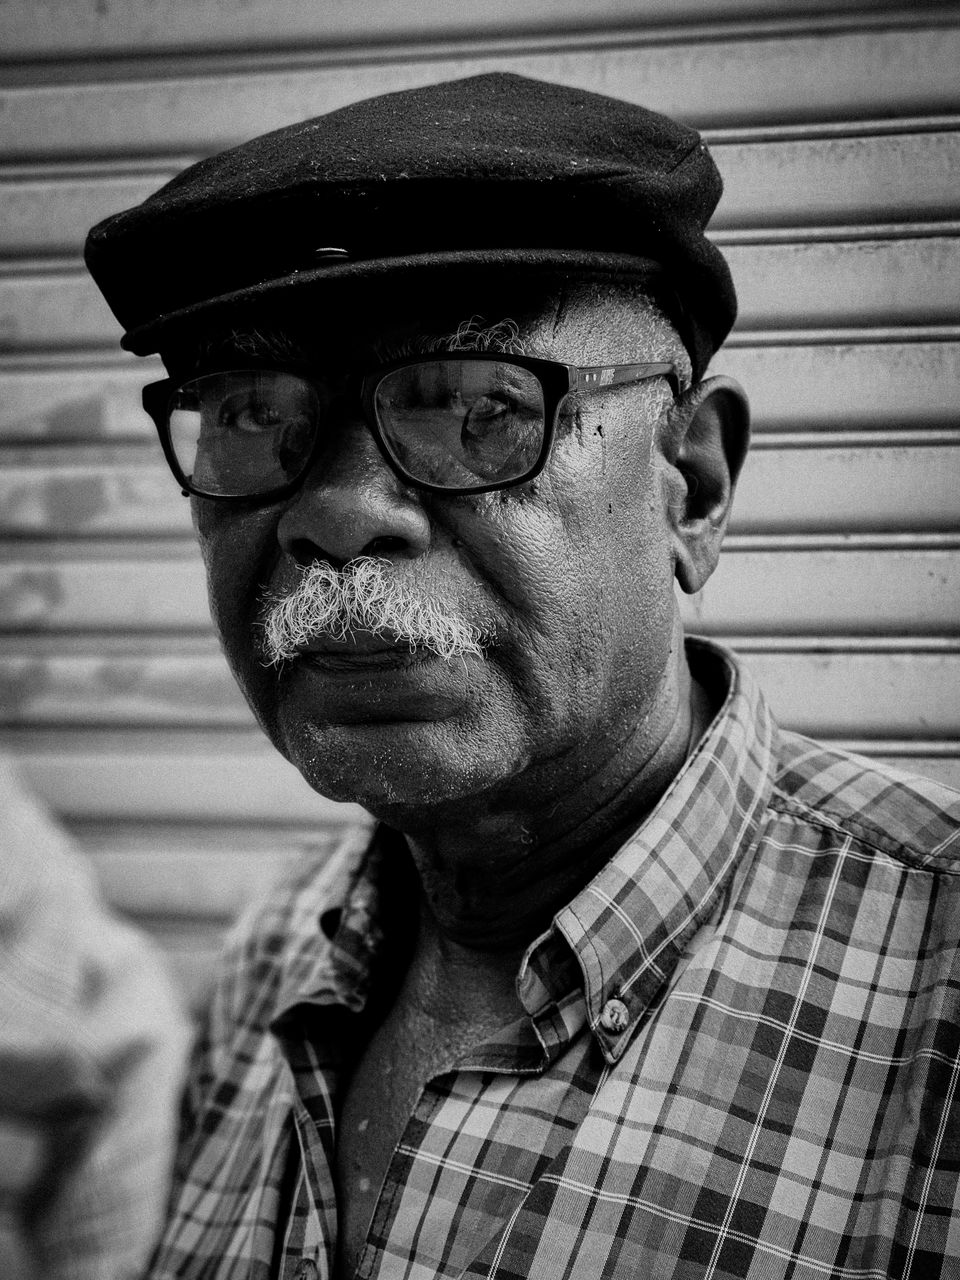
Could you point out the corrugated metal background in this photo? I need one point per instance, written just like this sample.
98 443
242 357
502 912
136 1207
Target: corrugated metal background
837 128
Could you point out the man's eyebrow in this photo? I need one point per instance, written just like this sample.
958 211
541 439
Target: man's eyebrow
256 344
262 346
384 350
502 338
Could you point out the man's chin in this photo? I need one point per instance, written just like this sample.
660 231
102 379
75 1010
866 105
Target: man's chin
399 770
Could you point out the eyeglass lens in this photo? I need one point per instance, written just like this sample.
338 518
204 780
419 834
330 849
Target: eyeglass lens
453 424
461 423
243 432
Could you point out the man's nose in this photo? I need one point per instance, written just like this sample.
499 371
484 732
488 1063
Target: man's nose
352 503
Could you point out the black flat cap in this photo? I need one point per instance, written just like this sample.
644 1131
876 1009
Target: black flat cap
492 171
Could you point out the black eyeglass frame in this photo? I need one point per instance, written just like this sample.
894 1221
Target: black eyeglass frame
557 381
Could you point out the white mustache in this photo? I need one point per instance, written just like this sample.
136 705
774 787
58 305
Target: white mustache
365 595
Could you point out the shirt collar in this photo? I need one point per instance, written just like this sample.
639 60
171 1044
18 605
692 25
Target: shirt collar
334 950
628 927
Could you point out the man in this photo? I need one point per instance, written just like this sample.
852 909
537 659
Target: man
626 982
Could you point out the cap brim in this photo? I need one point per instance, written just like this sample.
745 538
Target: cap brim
430 269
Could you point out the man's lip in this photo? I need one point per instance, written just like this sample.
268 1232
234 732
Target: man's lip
356 642
372 654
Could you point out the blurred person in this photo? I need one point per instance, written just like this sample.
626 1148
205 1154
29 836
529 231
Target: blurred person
627 982
92 1044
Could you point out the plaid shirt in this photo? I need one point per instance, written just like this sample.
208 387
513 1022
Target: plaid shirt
740 1058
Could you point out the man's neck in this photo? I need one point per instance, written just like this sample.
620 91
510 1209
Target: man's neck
492 882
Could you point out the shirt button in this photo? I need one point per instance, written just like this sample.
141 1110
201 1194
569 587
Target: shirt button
615 1017
306 1270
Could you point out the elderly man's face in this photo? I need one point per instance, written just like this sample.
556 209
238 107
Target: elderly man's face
568 580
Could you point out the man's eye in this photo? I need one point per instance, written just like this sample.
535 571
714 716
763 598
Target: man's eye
249 416
487 412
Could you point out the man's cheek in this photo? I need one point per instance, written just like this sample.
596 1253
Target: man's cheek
522 552
550 585
239 550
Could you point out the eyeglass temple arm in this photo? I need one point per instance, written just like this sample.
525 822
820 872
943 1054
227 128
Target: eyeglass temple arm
594 377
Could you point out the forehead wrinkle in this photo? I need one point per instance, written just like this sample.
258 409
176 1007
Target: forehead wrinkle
618 323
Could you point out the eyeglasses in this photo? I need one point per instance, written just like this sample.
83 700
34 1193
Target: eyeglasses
450 423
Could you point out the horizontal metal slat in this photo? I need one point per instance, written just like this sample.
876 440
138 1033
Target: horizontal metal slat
47 214
194 775
788 590
846 693
834 73
66 497
869 695
792 284
67 399
828 592
165 690
58 28
847 385
836 385
206 776
806 284
113 594
838 180
44 310
849 489
128 493
772 183
212 873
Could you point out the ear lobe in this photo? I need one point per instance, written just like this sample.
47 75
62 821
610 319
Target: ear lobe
710 433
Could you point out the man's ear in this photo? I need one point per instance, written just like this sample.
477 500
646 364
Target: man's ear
707 442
